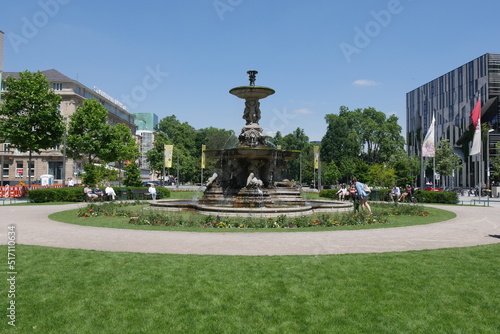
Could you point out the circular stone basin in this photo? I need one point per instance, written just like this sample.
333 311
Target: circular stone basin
251 153
311 207
252 92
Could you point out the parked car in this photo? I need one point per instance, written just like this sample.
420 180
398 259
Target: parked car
433 189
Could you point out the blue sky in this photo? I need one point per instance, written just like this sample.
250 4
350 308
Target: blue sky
181 57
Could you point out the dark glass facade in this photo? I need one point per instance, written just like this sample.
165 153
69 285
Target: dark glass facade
451 98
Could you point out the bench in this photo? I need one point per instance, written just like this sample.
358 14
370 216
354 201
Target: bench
143 194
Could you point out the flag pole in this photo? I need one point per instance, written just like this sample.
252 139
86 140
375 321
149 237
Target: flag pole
434 158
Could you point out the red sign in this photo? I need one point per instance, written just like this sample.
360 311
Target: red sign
19 171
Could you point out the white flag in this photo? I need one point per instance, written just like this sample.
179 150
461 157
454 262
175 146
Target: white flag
476 122
476 141
428 146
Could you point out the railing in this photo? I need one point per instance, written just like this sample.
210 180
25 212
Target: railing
21 191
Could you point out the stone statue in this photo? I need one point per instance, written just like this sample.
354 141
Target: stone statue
252 112
253 182
211 179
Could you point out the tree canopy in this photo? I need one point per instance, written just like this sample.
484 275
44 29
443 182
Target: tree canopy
30 119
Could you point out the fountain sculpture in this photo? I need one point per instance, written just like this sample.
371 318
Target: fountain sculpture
249 178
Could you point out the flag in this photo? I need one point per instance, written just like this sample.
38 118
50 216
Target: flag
316 157
428 146
168 155
475 117
203 147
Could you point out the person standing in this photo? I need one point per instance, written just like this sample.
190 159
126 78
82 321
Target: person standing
362 195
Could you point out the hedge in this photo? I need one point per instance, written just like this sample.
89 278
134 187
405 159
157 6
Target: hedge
75 194
446 197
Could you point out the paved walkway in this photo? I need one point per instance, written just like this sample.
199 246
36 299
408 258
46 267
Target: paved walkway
472 226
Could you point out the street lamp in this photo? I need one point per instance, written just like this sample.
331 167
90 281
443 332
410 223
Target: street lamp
488 158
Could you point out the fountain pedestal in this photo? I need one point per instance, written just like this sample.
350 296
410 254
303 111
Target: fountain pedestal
249 179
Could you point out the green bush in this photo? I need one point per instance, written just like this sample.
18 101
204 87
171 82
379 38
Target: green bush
75 194
445 197
329 193
68 194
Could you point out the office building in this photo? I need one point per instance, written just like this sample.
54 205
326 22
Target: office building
451 98
15 164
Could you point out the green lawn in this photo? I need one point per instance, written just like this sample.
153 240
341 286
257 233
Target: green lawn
70 216
77 291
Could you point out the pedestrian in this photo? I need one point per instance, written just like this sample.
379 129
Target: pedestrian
362 195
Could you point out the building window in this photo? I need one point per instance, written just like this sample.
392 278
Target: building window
55 168
31 168
57 86
5 170
19 169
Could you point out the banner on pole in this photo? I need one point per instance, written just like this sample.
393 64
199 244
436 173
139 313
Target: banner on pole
316 157
476 123
428 146
169 149
203 148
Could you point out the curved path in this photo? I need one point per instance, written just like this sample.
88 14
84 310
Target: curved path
472 226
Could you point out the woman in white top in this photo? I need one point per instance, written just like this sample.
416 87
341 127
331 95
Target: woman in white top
110 191
152 191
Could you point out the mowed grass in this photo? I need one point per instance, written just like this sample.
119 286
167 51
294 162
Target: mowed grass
70 216
78 291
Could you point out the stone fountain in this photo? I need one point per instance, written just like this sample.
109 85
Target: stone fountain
249 179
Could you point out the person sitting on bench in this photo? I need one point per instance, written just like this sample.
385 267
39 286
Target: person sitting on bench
88 192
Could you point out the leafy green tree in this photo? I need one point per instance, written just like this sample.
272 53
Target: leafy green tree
30 119
121 145
89 132
330 173
360 133
187 150
98 174
495 163
446 159
406 167
381 175
156 156
132 175
341 138
297 141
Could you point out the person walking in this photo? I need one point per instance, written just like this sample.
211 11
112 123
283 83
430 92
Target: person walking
362 195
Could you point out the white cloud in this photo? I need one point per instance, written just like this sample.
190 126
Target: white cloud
365 82
302 111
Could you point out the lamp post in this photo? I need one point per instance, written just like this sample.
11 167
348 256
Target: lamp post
488 158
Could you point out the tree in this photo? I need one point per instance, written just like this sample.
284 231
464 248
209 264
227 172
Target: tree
495 163
30 119
365 133
330 174
406 167
89 132
120 145
381 175
446 160
132 175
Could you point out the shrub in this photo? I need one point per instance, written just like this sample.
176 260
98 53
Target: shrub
446 197
68 194
75 194
329 193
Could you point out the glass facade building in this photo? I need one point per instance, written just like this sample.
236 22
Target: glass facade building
451 98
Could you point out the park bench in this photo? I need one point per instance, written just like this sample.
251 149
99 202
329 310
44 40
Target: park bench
142 194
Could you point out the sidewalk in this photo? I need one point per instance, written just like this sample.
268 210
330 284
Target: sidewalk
474 225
